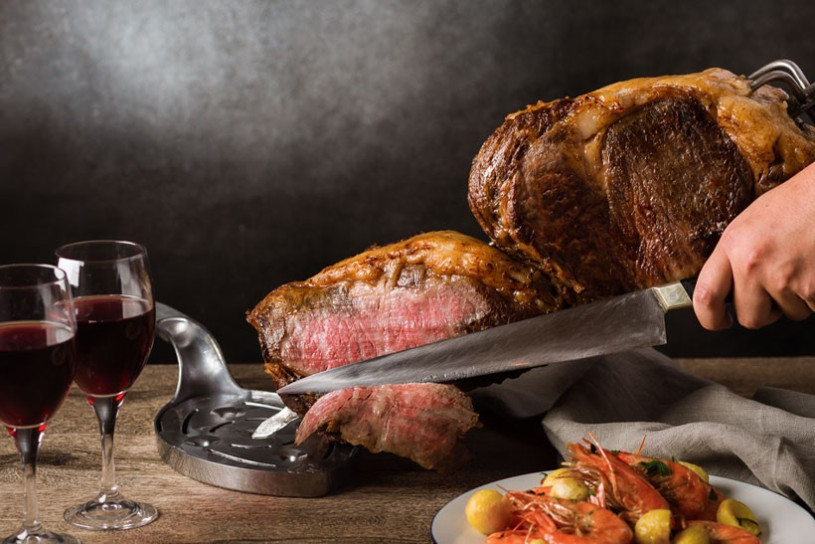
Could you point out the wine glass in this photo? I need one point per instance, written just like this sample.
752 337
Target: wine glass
115 315
37 365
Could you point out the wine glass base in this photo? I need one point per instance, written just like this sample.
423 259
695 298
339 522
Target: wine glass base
104 516
43 537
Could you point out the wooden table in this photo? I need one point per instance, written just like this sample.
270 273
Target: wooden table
390 500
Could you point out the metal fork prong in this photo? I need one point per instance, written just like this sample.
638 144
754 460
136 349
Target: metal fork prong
801 101
808 105
785 77
786 66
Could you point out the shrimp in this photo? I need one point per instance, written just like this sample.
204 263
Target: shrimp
721 533
713 501
562 521
515 536
527 508
687 493
616 484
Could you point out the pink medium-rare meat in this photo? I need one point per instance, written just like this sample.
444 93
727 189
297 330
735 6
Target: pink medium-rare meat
423 422
632 185
367 322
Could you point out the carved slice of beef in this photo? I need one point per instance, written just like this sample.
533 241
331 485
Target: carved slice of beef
631 186
423 422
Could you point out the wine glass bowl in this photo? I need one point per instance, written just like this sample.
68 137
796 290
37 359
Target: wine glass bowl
37 365
112 328
115 314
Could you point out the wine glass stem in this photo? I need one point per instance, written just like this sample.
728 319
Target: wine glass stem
106 409
28 441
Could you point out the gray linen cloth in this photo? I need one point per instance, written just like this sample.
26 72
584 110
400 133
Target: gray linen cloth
768 440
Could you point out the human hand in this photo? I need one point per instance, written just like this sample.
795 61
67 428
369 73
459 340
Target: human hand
766 257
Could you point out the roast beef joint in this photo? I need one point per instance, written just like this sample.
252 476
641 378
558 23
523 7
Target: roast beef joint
627 187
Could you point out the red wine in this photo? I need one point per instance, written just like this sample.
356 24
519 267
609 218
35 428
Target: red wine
37 367
113 339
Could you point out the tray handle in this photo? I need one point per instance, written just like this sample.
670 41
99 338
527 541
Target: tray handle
202 368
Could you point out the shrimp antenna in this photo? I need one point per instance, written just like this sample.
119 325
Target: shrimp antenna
642 445
611 472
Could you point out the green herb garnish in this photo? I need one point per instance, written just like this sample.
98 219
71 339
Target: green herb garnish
656 468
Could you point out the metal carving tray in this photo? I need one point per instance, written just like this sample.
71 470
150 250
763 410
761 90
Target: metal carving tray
205 431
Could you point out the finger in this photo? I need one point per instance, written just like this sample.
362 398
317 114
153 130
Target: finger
754 306
712 287
793 307
791 304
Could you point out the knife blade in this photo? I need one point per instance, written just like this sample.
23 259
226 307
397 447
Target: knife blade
616 324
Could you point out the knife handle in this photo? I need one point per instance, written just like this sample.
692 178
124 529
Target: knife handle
689 285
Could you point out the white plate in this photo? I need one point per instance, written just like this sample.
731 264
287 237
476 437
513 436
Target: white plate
782 521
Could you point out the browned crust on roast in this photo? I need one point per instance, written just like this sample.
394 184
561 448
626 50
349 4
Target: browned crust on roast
443 253
541 186
698 182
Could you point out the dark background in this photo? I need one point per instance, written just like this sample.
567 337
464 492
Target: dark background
250 143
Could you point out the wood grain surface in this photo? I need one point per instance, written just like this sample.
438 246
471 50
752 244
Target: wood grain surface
389 499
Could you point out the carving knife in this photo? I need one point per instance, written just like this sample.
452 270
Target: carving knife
612 325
